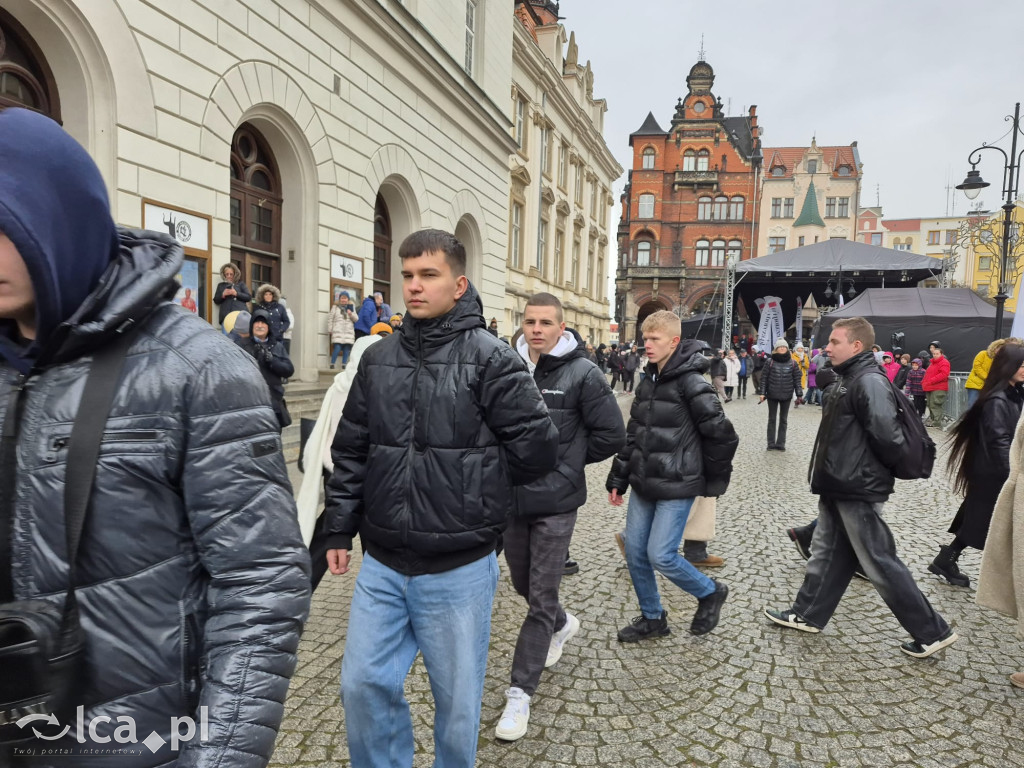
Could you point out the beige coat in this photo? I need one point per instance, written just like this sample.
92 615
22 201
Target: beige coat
1001 585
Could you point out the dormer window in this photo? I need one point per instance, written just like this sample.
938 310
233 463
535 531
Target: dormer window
812 166
844 170
779 170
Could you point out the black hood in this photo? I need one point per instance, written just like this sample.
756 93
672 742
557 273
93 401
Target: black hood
468 313
857 363
54 208
687 357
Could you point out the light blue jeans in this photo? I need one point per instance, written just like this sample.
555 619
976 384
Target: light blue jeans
444 616
653 532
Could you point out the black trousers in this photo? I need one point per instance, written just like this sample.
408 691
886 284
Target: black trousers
627 381
742 387
781 408
851 532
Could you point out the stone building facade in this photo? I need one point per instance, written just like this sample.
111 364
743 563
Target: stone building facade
301 140
808 194
561 176
688 208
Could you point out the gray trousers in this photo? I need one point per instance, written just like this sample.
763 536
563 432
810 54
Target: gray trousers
849 532
535 550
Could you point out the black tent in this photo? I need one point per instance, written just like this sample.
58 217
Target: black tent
704 327
809 269
957 317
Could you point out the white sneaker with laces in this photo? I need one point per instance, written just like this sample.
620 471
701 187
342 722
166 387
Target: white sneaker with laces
560 638
516 717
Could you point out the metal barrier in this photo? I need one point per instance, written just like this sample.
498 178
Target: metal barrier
956 399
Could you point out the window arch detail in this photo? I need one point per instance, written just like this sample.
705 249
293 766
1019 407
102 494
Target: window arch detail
25 77
648 158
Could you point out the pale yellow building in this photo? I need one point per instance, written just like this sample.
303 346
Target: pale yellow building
561 178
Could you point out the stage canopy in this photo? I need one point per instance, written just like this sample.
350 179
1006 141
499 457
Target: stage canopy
804 271
958 318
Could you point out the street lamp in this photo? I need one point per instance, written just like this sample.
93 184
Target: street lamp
972 186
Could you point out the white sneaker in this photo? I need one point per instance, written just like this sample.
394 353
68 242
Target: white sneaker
560 638
516 717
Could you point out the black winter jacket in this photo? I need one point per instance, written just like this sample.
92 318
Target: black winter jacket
717 367
441 421
780 379
590 429
236 303
277 318
193 578
859 437
989 460
274 365
679 444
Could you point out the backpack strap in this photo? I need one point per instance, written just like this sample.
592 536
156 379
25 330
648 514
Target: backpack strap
84 450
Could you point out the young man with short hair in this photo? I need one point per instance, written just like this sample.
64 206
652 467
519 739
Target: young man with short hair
679 445
590 429
424 476
858 442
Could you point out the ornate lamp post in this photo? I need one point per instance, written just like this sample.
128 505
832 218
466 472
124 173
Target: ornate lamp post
972 186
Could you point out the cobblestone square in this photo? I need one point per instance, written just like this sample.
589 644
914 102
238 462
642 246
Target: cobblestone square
748 694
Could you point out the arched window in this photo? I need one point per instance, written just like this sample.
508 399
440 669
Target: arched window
255 208
646 207
779 170
648 159
736 208
703 251
643 253
721 208
703 208
735 250
718 253
703 159
689 160
25 77
844 170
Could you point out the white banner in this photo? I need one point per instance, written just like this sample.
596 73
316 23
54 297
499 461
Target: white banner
770 328
799 320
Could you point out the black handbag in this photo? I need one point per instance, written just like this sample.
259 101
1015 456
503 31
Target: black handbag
41 642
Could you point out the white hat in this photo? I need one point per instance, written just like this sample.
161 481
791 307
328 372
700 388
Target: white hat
780 342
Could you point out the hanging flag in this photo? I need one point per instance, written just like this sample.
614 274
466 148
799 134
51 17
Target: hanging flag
763 332
778 327
841 302
799 320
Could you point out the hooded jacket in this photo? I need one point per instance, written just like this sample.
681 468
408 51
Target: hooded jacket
229 304
679 444
859 437
274 364
192 587
590 425
936 376
277 313
441 421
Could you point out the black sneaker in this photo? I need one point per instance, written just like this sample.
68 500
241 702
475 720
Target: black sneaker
642 628
802 538
708 610
923 651
571 567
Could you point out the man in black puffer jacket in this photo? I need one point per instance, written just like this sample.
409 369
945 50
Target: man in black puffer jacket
274 363
590 429
193 582
679 445
859 441
442 420
780 380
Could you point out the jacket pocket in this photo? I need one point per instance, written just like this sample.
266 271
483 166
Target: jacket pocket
191 654
472 485
113 441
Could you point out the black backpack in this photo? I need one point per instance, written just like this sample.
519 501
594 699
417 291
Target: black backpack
918 457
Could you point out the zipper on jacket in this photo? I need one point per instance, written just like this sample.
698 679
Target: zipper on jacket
404 527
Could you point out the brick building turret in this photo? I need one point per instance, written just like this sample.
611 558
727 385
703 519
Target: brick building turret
688 207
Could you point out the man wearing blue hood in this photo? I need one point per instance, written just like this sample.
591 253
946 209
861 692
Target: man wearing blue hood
191 588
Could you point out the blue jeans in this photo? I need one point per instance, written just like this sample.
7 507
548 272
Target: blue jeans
653 532
444 616
972 396
344 349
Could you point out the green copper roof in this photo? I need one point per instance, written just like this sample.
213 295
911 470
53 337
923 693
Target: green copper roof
809 212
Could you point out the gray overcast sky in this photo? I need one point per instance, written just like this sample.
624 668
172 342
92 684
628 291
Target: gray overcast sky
889 74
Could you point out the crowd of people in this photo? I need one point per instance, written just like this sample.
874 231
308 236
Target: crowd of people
479 449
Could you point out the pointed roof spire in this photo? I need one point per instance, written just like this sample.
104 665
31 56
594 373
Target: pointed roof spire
809 215
649 128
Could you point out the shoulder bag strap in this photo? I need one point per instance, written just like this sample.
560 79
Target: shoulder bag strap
84 449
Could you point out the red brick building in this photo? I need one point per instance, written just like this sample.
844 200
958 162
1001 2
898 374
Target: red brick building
688 207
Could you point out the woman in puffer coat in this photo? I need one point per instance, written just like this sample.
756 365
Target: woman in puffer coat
341 327
979 460
979 370
803 361
231 295
732 374
268 298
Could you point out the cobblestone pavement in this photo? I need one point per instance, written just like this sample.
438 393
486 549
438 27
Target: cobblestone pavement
748 694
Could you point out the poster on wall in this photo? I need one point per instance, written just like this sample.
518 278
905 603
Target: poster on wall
192 294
